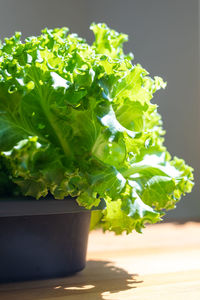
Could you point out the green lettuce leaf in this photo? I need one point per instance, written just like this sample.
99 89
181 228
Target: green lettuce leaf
77 120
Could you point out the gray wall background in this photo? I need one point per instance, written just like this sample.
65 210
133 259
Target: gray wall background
163 35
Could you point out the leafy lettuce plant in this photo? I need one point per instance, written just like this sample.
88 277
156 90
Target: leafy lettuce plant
77 120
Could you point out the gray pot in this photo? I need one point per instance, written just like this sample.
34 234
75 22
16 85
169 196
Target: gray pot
42 239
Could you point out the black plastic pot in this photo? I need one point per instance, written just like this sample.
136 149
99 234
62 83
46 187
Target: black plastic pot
42 239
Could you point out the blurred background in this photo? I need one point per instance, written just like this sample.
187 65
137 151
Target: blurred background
164 37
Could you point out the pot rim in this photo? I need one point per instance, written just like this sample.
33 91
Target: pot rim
28 206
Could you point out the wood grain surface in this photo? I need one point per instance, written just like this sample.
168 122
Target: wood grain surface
163 263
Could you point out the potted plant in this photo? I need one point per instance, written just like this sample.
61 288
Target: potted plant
77 123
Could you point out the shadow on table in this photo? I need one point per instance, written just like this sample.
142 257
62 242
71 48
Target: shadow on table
98 280
102 278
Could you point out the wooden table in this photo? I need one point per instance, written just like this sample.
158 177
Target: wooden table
161 264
